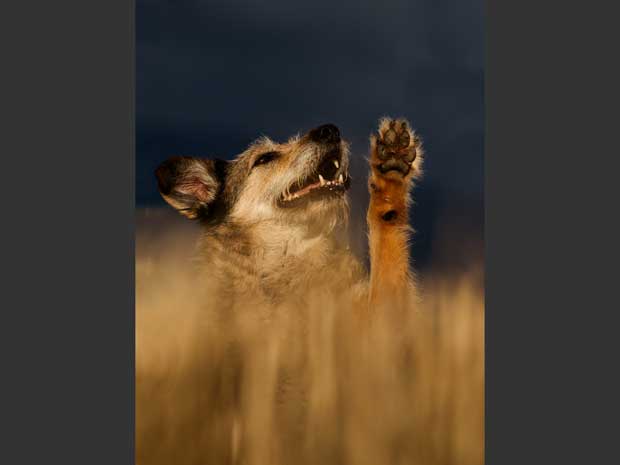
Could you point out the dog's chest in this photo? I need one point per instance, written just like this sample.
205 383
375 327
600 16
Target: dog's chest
294 271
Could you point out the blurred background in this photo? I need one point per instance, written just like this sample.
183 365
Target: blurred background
213 75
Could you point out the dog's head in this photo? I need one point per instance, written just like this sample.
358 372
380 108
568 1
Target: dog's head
301 181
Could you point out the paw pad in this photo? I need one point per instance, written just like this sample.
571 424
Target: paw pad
395 148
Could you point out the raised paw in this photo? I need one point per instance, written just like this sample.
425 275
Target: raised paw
394 149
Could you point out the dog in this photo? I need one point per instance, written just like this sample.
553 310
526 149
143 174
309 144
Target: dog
275 217
304 385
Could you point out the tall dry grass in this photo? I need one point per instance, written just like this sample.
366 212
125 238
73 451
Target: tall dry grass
306 385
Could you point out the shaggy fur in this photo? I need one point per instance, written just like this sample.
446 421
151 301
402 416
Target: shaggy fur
260 246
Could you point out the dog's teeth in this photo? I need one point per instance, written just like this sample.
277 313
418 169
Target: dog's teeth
336 164
322 180
340 179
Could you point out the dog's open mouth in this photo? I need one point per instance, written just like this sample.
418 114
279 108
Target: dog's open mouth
330 178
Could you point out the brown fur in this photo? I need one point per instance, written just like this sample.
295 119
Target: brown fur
261 246
388 217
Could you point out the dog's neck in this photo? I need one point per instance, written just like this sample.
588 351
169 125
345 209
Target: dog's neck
272 242
272 255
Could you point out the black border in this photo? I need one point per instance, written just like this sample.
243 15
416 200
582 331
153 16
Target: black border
68 225
549 92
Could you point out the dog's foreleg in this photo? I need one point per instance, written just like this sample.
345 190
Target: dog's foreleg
395 161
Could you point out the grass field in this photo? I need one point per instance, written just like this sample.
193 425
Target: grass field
306 387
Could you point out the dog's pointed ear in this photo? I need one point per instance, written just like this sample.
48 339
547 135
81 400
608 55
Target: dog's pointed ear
190 185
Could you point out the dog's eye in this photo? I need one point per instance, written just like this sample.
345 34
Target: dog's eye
266 158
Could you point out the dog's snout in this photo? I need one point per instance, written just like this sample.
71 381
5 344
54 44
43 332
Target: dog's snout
327 133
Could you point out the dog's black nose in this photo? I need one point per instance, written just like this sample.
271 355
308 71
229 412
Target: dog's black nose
327 133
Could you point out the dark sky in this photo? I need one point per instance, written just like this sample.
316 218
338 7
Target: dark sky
212 75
